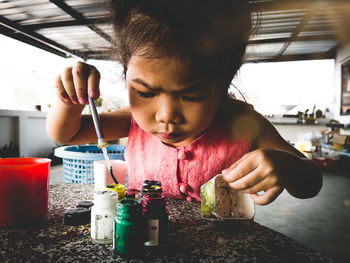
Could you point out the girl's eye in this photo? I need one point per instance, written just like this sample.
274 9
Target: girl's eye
193 99
146 94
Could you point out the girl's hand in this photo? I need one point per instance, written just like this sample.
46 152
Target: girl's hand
265 170
76 83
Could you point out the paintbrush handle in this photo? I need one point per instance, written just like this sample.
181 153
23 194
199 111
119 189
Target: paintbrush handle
96 120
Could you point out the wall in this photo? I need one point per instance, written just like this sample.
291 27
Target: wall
26 129
343 55
9 130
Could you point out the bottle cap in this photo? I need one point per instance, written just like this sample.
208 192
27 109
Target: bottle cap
85 204
149 183
119 188
132 194
77 216
105 199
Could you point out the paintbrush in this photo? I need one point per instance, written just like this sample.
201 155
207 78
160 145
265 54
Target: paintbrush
101 142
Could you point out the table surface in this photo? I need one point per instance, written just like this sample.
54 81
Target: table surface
191 237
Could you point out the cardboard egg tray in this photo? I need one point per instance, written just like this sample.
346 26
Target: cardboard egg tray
219 200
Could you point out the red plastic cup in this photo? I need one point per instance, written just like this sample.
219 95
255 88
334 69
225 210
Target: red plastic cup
24 190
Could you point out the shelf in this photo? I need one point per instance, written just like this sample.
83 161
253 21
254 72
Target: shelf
331 148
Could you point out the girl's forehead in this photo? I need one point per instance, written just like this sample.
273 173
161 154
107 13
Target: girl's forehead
167 68
155 64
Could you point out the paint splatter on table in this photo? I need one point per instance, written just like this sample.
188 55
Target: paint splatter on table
191 238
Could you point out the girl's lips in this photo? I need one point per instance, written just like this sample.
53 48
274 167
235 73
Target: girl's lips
168 135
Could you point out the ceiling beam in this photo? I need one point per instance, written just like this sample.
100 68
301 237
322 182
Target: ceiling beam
284 58
288 5
296 32
98 54
343 28
29 40
333 50
18 32
286 39
86 22
276 5
78 16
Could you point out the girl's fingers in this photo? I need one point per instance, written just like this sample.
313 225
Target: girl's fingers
80 72
93 83
77 82
268 196
266 183
248 181
67 81
61 92
243 167
235 164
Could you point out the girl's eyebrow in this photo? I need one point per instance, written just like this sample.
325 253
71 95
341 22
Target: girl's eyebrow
188 89
148 86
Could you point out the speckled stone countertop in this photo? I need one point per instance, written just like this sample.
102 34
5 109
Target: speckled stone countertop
191 238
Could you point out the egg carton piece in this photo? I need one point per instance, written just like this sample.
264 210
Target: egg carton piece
220 201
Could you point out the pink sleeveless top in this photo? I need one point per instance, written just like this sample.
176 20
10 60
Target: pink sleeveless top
186 168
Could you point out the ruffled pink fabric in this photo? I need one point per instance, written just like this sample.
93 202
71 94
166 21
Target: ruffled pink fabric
187 167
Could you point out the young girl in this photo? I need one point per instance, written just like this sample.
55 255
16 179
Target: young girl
179 58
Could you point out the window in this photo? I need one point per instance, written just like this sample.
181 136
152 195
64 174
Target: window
273 88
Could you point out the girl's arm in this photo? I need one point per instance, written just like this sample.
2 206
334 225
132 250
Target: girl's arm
273 166
303 178
67 125
65 122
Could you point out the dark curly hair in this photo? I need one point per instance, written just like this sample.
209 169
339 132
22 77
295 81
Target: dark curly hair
209 36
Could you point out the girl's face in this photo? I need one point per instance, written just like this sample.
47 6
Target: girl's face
166 102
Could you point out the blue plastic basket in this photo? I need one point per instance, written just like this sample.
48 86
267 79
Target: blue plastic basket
78 161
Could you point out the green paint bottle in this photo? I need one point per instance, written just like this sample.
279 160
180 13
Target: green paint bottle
129 229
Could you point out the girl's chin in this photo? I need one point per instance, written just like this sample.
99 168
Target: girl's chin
177 143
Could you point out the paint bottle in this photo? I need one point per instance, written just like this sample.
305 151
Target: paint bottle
156 219
132 194
103 213
149 183
151 187
118 188
129 231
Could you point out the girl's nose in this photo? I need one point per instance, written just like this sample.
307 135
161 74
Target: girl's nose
168 111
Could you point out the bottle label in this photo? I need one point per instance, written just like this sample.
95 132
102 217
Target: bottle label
152 232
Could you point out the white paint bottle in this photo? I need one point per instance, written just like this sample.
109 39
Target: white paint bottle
102 216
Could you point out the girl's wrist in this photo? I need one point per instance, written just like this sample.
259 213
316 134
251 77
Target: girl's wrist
305 180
